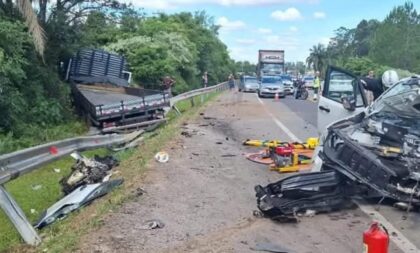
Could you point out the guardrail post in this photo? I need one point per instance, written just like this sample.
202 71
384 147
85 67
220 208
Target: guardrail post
192 101
202 98
18 218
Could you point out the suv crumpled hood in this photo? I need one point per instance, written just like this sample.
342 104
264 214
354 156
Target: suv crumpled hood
402 99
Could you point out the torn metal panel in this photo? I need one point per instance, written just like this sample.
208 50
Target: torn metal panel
80 197
319 191
87 171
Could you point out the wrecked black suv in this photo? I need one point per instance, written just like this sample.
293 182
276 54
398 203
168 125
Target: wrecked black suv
375 153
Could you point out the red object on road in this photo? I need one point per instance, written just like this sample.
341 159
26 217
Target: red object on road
284 150
53 150
376 239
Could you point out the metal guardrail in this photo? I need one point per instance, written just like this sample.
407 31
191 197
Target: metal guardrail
197 92
24 161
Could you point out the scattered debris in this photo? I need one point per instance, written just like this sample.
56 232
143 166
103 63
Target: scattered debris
152 224
186 134
208 118
78 198
219 142
227 138
36 187
310 213
57 170
33 211
195 154
87 171
228 155
162 157
270 247
139 192
317 191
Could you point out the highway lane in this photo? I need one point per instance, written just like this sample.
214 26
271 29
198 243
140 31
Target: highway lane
300 117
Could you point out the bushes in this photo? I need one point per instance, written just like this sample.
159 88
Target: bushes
361 67
32 97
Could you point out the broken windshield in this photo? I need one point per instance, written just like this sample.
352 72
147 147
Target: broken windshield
402 99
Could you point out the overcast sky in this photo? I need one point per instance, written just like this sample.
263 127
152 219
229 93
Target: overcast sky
291 25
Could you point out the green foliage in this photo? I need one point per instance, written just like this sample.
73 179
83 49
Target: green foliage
30 94
245 67
181 45
392 42
317 58
361 66
396 40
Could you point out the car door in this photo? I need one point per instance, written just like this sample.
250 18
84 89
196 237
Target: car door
338 84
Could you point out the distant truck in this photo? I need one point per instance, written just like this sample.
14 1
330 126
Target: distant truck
100 86
270 62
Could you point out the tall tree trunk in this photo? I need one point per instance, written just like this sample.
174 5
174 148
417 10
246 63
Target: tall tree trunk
42 11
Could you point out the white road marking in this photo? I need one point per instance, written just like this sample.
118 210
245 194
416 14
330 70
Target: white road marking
279 124
401 241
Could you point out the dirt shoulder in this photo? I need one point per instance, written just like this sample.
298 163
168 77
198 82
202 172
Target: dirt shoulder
205 196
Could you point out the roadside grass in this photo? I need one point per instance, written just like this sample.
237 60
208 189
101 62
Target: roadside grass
64 236
35 135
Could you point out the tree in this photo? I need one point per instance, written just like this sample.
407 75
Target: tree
396 40
317 58
27 12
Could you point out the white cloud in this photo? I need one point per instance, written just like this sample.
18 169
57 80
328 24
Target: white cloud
243 54
164 4
287 15
229 25
265 31
324 40
245 41
283 42
319 15
293 29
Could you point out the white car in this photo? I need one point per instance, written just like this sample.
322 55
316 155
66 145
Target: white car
308 81
288 84
270 86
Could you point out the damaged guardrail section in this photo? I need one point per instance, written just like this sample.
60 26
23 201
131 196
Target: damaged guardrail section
15 164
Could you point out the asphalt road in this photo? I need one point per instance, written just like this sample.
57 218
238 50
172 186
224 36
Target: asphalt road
300 117
205 193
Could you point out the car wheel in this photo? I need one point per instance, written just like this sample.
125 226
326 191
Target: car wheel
259 95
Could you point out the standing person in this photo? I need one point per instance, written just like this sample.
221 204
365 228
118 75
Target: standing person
317 84
378 86
370 78
205 79
167 84
231 82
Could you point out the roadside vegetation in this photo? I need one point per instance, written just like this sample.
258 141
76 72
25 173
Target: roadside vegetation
36 44
374 45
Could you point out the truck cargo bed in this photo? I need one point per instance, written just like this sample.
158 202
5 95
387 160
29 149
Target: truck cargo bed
109 105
